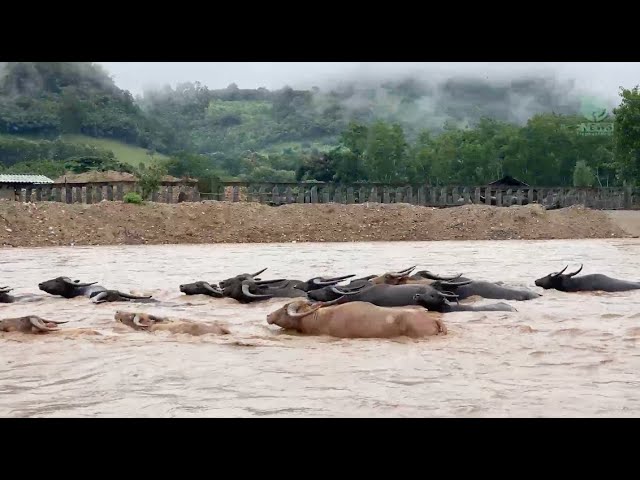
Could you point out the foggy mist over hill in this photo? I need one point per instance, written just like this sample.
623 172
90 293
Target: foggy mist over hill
412 93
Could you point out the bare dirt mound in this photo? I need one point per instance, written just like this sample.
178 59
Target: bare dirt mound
116 223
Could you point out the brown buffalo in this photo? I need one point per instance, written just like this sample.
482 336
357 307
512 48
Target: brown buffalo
153 323
423 277
28 324
356 320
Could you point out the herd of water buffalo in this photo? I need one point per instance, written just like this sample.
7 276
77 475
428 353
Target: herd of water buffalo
393 303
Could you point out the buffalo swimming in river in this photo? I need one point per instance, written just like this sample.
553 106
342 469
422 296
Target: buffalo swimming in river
446 307
567 282
239 279
28 324
356 320
463 288
392 295
201 288
4 295
329 293
316 283
65 287
153 323
249 291
406 295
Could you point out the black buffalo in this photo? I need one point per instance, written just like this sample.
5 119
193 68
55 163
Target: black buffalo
567 282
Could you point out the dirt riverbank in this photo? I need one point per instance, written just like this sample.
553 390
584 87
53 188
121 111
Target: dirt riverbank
116 223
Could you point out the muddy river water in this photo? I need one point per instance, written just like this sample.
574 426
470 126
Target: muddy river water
560 355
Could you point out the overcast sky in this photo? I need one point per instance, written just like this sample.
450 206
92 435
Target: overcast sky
599 78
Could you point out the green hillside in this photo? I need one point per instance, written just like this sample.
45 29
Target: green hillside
129 154
60 116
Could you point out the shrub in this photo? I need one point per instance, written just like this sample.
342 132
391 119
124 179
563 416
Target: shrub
583 175
150 178
133 197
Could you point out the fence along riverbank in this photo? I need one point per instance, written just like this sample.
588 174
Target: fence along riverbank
607 198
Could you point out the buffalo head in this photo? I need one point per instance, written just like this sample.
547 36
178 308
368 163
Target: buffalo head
249 291
317 283
555 280
201 288
63 286
4 295
289 315
239 278
393 278
433 299
137 321
28 324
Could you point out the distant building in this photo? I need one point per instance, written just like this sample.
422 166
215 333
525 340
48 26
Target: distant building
507 181
12 184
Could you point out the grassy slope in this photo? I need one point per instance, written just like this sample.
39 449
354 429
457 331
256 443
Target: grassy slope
125 153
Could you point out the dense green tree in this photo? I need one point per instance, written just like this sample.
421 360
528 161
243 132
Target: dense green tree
627 135
583 175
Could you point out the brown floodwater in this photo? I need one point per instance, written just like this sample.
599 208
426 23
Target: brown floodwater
561 355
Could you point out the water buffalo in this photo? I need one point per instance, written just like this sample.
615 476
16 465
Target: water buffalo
565 282
317 283
327 294
423 295
445 306
356 320
486 290
64 287
463 288
152 323
240 278
4 295
116 296
249 291
28 324
394 295
201 288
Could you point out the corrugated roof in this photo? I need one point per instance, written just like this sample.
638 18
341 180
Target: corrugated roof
510 181
19 178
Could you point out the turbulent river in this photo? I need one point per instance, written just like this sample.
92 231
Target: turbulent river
560 355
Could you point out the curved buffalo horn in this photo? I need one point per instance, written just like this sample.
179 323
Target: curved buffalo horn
209 288
265 282
331 281
560 272
331 302
247 293
433 276
136 321
340 292
447 295
354 288
292 310
407 270
100 298
258 273
134 297
77 283
397 274
575 273
5 289
39 324
368 277
454 284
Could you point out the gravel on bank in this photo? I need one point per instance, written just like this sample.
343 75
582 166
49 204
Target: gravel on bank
116 223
